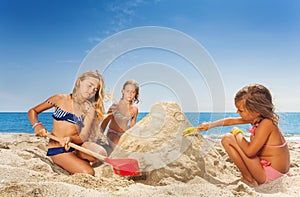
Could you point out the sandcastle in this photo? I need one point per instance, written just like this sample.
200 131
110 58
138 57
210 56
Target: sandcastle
163 153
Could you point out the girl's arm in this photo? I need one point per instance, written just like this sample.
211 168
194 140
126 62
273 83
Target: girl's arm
106 120
133 120
32 113
88 123
262 134
223 122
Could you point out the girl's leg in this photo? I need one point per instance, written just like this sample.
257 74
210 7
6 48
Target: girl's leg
251 169
93 147
114 138
72 163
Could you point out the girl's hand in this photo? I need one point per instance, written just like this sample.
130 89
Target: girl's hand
235 130
192 130
41 131
114 107
64 142
189 131
204 126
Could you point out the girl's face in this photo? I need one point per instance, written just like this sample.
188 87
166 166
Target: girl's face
244 113
89 87
129 92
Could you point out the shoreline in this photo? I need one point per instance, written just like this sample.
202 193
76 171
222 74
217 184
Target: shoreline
289 138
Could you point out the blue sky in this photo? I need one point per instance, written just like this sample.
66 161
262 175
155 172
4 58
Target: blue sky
44 42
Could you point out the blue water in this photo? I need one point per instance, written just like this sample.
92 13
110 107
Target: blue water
17 122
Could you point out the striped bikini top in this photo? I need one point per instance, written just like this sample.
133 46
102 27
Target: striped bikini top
62 115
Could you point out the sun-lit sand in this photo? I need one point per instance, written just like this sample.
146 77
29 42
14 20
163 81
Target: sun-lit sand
171 165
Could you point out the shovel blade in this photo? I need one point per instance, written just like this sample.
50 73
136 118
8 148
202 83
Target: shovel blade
189 131
124 167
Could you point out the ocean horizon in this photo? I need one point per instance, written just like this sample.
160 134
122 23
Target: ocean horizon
17 122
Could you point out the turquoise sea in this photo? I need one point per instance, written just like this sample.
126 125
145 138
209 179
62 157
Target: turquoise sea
17 122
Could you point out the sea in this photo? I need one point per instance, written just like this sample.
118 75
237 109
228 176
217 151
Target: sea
17 122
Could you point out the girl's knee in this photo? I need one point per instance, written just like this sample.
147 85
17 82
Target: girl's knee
95 148
89 171
86 170
228 138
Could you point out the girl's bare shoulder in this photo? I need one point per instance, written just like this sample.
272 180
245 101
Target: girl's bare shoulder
268 127
59 99
266 122
59 96
134 109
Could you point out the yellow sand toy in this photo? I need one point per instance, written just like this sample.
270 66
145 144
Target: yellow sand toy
190 131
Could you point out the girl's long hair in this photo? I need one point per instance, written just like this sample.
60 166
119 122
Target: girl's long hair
258 99
98 100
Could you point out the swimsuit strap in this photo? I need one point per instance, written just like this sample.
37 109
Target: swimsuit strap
255 125
277 146
258 122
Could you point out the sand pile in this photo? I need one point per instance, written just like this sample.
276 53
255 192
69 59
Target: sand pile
163 153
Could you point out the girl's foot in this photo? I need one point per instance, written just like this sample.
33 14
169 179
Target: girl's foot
252 183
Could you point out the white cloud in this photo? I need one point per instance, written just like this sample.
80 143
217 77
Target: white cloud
123 13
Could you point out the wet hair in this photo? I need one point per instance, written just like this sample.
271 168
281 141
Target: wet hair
97 101
257 98
136 87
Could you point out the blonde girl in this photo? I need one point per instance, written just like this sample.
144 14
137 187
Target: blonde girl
75 119
123 114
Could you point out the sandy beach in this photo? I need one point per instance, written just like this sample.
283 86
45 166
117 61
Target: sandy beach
172 165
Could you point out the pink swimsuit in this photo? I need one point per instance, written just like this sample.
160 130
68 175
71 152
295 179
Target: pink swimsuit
271 173
115 132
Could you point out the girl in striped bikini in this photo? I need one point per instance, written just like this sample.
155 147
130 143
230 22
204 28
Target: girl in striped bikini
75 119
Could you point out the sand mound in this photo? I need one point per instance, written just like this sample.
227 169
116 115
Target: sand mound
163 153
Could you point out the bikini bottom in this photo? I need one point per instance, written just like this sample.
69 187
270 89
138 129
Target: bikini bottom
271 173
58 150
115 132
